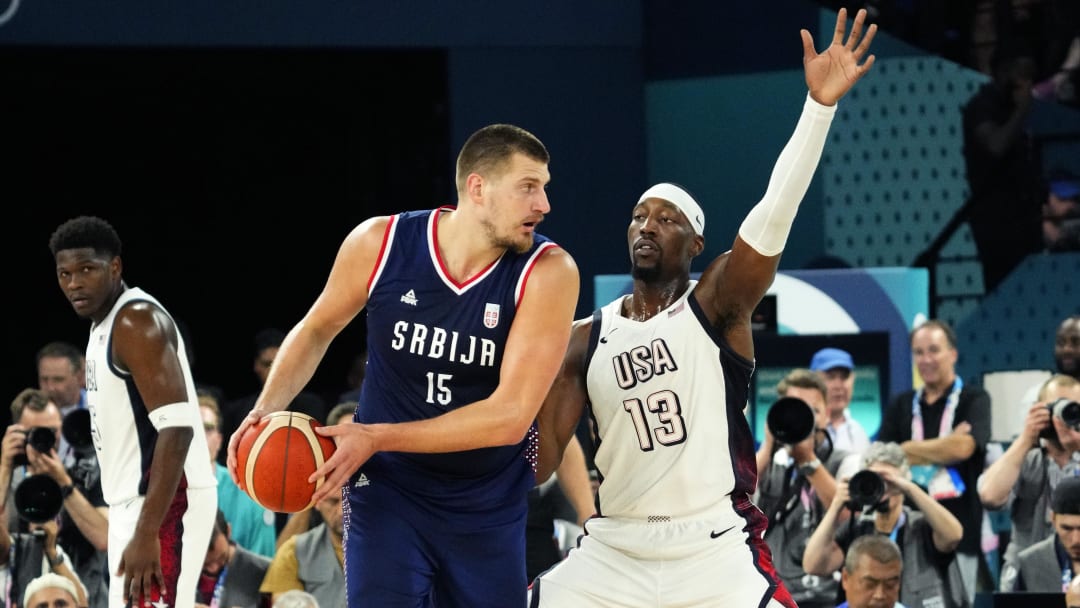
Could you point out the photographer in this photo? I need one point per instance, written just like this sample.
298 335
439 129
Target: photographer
927 536
83 518
1025 476
795 482
29 555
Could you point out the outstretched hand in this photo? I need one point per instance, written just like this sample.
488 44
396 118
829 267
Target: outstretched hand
832 73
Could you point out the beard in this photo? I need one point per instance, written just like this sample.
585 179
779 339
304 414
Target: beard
645 273
517 243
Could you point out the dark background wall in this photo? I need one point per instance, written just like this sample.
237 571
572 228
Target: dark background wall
234 148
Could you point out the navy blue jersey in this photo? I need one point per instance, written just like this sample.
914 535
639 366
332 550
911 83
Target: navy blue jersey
435 345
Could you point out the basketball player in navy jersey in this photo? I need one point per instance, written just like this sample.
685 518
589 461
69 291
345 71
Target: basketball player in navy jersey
468 316
145 421
665 372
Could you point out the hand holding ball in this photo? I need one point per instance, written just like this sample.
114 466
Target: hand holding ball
275 458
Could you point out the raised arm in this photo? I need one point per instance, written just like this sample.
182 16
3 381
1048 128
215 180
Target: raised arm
823 554
534 351
755 255
999 479
947 530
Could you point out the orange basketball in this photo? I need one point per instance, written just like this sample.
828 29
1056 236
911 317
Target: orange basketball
275 458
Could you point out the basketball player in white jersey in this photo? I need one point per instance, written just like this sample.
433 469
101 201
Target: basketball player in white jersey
145 421
665 372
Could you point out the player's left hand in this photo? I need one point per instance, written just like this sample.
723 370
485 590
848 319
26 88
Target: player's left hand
830 74
140 564
355 444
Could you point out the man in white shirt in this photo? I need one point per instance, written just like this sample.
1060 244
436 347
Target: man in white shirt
838 370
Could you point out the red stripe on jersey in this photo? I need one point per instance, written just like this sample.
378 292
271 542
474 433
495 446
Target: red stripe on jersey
382 251
528 271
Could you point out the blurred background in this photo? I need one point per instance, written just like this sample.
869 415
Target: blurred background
234 145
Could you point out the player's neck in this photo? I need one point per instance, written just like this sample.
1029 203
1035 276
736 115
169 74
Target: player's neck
110 303
649 299
462 251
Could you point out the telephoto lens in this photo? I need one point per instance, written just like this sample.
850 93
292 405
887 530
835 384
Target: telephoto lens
866 489
38 499
76 430
790 420
41 438
1068 410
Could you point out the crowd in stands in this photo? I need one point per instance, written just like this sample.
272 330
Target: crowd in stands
930 484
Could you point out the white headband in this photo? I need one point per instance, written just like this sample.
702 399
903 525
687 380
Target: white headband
681 199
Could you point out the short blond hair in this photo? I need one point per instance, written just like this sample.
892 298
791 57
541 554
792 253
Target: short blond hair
1059 380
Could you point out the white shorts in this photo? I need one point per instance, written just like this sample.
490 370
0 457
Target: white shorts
184 537
632 564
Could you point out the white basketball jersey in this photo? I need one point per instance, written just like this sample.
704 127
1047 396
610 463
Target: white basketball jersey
667 397
120 423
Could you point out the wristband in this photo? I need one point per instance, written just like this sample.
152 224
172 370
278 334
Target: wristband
66 491
174 414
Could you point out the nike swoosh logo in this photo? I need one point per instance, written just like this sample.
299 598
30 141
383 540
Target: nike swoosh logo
719 534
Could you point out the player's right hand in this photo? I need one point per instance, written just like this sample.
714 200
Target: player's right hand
253 417
355 444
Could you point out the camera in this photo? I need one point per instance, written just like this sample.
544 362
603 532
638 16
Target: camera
76 431
38 499
41 438
866 489
790 420
1069 412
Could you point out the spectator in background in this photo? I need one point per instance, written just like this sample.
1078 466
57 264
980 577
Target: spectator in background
1002 173
267 342
567 496
943 428
296 599
251 525
25 556
307 519
1061 213
1067 346
795 488
1072 593
1066 352
354 380
312 561
1046 452
1048 564
871 573
62 375
927 534
231 574
83 517
51 590
838 370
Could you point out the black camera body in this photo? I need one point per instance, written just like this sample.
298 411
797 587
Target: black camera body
1069 412
866 489
41 438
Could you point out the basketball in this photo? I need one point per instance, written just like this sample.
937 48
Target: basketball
275 458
